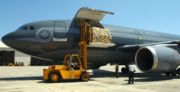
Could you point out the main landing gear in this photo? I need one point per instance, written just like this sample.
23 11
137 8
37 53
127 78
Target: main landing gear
173 73
125 69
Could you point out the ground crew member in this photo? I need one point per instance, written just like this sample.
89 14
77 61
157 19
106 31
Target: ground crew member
117 71
131 74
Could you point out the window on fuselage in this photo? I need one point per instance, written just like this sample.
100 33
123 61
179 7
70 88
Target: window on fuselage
31 28
25 27
28 28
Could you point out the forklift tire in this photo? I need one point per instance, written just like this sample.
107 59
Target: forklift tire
84 76
54 77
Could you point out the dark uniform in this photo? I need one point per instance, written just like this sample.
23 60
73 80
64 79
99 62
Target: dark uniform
117 71
131 75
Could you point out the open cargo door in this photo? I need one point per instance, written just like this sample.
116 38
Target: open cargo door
91 14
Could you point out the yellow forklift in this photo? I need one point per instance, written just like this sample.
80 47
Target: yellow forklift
75 66
71 69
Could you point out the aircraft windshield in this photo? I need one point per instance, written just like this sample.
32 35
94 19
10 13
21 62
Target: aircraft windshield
27 27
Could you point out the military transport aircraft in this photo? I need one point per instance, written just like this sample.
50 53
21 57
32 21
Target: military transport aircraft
52 39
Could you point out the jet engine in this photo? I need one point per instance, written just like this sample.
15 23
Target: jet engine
157 59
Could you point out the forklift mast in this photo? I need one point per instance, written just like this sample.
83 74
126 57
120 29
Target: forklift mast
85 38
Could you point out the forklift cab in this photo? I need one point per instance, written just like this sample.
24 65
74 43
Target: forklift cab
73 62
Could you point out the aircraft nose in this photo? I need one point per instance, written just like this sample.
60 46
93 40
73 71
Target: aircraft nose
7 39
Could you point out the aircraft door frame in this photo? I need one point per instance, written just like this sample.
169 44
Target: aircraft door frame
60 30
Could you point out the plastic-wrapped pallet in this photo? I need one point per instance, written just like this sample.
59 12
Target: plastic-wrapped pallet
101 35
101 38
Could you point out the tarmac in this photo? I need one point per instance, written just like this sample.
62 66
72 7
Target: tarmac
29 79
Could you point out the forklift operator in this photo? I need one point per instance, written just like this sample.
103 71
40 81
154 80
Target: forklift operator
73 64
70 64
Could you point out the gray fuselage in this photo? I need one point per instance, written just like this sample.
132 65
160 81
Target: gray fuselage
51 40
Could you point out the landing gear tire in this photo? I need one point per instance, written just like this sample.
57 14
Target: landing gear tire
178 71
168 73
124 70
173 73
85 76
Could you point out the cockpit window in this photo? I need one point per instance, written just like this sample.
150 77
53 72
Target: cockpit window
31 28
25 27
28 28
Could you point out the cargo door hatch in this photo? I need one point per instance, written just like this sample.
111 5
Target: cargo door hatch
91 14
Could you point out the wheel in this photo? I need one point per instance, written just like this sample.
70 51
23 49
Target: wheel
85 76
124 70
167 73
178 71
54 77
173 73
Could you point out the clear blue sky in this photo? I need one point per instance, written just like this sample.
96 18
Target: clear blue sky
156 15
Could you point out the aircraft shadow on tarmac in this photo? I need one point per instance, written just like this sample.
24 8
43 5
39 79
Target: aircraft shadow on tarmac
139 77
21 78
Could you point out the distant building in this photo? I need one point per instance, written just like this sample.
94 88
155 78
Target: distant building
8 55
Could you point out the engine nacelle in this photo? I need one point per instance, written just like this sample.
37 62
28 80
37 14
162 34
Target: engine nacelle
157 59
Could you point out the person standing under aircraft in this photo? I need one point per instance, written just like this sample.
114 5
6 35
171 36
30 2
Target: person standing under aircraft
131 74
117 71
